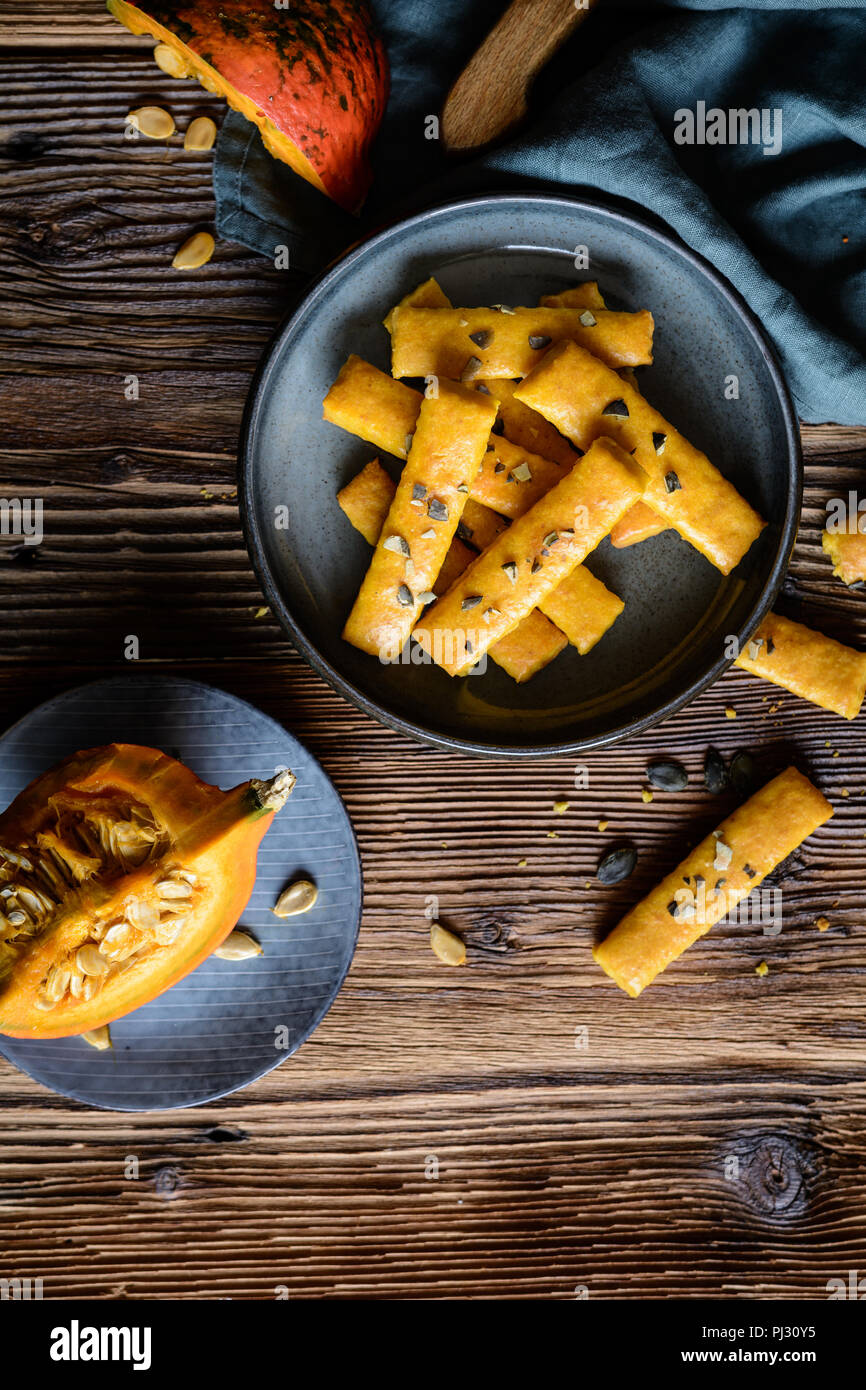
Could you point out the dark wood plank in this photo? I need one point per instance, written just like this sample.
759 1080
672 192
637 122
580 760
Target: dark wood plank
559 1166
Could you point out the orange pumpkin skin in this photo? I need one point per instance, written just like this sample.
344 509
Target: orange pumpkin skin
312 76
59 827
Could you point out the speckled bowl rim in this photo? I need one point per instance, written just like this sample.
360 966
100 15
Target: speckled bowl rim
416 730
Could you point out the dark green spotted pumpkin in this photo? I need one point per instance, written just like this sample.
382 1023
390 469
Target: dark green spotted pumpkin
313 76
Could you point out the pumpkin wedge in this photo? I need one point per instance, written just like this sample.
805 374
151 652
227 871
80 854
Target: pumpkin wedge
313 76
120 871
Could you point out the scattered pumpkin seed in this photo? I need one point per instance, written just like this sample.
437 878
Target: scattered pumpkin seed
659 441
429 534
437 509
404 596
483 338
195 252
672 482
407 443
715 772
471 370
100 1038
535 567
538 341
461 487
723 857
471 601
419 491
170 61
200 134
427 597
749 871
742 772
617 408
588 319
464 532
152 121
617 865
510 569
771 646
522 473
490 612
446 945
485 390
300 896
238 946
500 468
667 775
503 308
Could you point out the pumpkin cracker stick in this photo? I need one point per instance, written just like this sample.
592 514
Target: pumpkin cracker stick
585 606
637 525
447 448
722 870
466 344
382 411
525 564
847 550
586 295
808 663
585 399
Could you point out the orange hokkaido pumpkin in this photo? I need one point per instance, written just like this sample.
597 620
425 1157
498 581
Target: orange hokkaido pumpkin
311 74
120 871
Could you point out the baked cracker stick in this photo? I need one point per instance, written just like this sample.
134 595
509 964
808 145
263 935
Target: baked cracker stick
809 664
724 868
479 526
582 607
586 295
526 427
465 344
847 550
428 295
447 448
529 647
373 406
587 608
525 564
637 525
585 399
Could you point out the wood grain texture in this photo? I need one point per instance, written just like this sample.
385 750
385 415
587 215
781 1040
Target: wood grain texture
708 1138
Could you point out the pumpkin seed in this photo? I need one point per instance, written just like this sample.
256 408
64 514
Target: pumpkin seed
100 1038
174 888
715 772
471 370
510 569
437 509
299 897
659 441
464 532
404 596
672 482
617 865
152 121
588 319
170 61
617 408
200 134
522 473
398 544
16 917
195 252
238 946
427 597
535 566
742 772
419 491
483 338
446 945
724 855
428 535
502 308
90 961
537 341
471 601
667 775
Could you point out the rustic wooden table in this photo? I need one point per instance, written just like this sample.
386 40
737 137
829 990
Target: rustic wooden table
583 1140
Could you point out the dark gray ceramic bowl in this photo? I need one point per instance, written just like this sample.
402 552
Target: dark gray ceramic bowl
669 644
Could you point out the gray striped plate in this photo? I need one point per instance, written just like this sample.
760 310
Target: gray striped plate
228 1022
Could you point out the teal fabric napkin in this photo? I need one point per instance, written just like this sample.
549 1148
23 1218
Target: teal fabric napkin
621 111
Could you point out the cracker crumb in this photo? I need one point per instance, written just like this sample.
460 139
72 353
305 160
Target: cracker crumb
560 807
262 612
646 796
730 712
603 824
822 923
552 835
762 969
521 863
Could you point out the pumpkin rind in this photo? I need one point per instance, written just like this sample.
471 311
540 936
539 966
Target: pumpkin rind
312 77
138 864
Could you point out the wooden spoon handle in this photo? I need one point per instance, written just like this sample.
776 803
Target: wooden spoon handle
489 96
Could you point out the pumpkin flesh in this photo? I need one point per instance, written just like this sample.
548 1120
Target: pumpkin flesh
120 871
